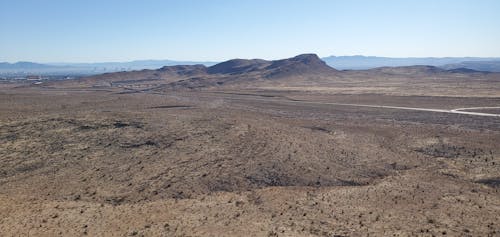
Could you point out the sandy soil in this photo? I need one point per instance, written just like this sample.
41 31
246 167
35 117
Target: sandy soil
100 162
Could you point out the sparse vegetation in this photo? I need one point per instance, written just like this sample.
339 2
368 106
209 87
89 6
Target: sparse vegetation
223 160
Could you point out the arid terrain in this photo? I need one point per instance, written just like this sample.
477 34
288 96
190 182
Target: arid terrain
253 148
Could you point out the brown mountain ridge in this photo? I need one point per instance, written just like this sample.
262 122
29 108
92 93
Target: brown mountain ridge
304 70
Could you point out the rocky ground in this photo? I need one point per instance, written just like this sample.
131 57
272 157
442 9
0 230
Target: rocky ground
101 162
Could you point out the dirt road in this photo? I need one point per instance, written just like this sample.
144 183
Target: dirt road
287 100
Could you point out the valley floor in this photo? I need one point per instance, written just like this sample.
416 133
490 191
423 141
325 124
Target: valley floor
106 162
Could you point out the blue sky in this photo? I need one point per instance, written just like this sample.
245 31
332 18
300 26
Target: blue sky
100 30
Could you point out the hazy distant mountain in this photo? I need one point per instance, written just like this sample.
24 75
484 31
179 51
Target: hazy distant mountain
489 66
23 65
242 65
88 68
368 62
134 65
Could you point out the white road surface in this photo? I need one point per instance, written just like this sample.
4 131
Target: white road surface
452 111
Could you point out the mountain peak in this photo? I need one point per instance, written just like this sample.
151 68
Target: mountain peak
237 66
307 58
300 65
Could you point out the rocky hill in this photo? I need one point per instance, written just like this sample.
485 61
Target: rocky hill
236 71
306 70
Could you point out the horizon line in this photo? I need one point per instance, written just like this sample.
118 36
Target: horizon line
215 61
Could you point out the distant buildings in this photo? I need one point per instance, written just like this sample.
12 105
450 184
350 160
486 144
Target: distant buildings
33 77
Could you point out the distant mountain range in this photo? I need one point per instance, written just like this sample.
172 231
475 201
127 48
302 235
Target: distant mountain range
368 62
23 66
487 66
133 65
337 62
305 70
88 68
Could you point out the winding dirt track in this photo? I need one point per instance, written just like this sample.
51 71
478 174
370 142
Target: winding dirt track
452 111
288 100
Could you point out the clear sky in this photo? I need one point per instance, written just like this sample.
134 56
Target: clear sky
122 30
